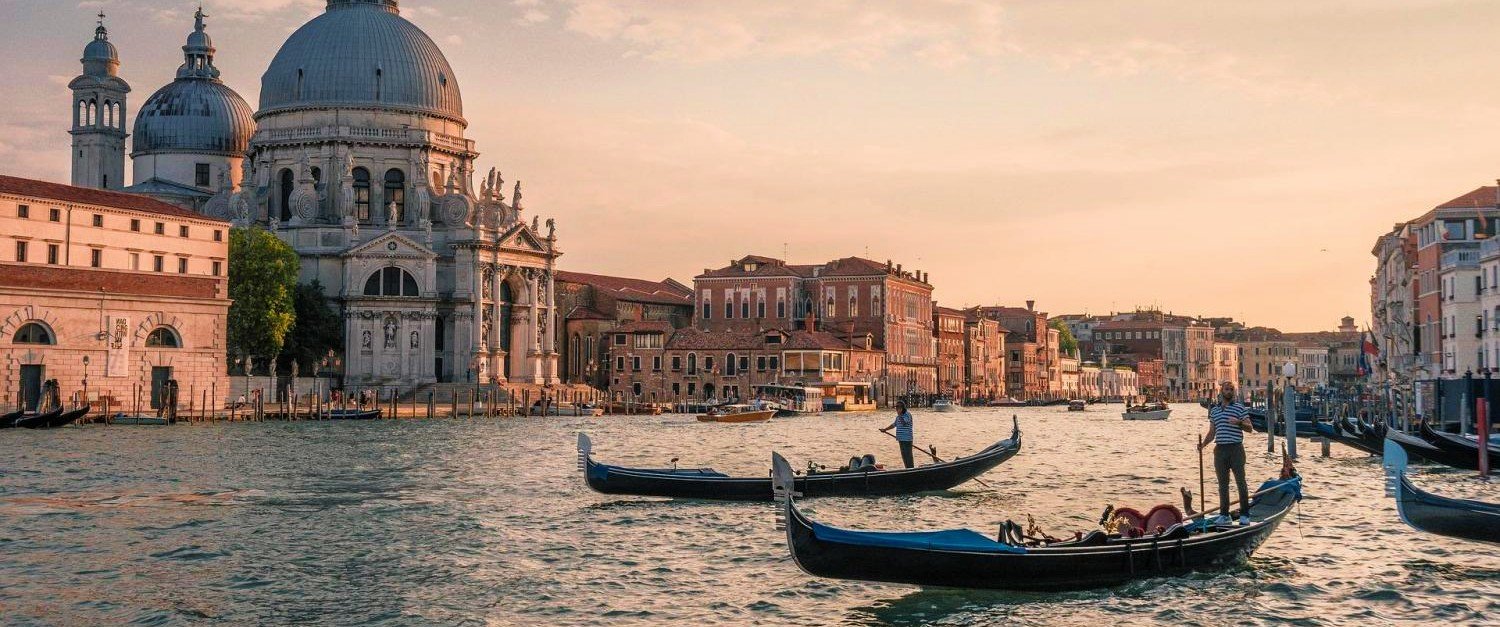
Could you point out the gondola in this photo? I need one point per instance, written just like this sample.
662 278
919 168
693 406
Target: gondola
38 421
9 420
963 558
1459 445
352 414
1422 449
1306 425
706 483
66 418
1342 431
1424 511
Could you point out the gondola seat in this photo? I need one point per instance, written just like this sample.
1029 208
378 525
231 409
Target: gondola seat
1162 517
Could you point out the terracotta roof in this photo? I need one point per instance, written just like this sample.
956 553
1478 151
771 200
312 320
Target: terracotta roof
765 267
816 340
91 281
666 292
948 311
854 266
588 313
1483 197
694 339
644 326
84 195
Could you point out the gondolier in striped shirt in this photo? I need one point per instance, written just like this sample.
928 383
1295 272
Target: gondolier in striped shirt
1227 423
902 425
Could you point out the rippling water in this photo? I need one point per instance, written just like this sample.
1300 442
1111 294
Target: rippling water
488 522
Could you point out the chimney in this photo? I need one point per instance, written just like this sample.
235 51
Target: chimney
1030 305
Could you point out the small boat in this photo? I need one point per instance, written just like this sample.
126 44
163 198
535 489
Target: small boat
8 420
38 421
122 419
848 396
1077 405
1007 402
1460 445
1350 433
352 414
944 405
1424 511
737 413
868 480
963 558
1150 411
67 418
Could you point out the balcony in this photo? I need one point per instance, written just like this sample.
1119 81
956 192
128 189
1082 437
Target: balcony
1467 257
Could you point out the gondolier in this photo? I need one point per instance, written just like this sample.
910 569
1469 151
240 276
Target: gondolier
902 425
1227 423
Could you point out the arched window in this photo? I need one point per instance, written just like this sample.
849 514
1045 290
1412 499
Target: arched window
729 365
163 337
395 192
286 195
692 363
33 333
82 113
93 113
109 113
362 194
391 281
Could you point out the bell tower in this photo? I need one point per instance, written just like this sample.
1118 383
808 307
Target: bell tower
99 116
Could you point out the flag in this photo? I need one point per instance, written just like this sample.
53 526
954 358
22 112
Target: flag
1366 350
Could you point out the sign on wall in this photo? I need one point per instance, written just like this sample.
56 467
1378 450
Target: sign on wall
119 348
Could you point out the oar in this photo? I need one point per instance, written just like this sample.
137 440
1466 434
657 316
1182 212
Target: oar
1201 484
1204 514
937 459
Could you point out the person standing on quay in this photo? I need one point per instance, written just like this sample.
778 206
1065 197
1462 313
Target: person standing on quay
1227 423
902 425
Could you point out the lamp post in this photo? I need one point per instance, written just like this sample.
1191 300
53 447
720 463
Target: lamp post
1289 408
85 379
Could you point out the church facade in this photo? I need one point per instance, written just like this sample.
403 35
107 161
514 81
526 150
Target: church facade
357 158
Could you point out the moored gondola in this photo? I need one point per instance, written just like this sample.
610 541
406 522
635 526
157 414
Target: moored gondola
1424 511
706 483
963 558
1460 445
352 414
38 421
66 418
1422 449
1343 430
9 420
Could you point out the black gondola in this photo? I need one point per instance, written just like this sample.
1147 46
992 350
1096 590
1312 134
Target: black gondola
1459 445
1306 425
66 418
1422 449
962 558
9 420
1424 511
706 483
38 421
1345 431
352 414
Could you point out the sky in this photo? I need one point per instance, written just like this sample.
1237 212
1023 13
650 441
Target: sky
1212 158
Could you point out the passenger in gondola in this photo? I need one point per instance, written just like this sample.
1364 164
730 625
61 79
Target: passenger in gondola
902 425
1227 423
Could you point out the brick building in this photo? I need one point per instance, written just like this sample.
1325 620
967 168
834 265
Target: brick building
111 292
984 357
593 306
848 298
949 329
1031 347
653 362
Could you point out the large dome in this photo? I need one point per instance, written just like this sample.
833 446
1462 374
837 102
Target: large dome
194 115
361 53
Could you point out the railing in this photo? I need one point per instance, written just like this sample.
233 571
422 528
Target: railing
451 142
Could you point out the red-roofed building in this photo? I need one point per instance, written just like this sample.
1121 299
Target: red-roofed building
849 297
948 327
593 307
109 293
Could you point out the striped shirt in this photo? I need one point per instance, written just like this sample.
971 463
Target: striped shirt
1225 419
903 426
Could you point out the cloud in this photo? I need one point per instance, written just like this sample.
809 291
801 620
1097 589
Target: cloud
943 33
533 16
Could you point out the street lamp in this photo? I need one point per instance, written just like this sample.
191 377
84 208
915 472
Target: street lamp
1289 409
85 379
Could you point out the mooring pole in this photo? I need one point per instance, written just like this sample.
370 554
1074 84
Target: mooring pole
1289 414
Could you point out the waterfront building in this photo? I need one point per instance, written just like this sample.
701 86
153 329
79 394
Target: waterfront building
1489 304
1122 383
984 351
1461 325
356 157
1151 378
111 294
948 331
652 362
1088 381
1226 365
1312 366
1261 360
1069 377
1031 350
849 298
1392 304
593 306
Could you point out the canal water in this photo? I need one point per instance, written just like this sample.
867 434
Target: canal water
488 522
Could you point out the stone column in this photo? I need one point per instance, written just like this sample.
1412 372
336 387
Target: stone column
497 351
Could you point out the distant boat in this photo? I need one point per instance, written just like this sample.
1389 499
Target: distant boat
1077 405
122 419
1151 411
737 413
1007 402
944 405
352 414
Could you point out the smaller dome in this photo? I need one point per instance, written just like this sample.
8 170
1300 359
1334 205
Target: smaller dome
100 50
100 58
199 39
194 115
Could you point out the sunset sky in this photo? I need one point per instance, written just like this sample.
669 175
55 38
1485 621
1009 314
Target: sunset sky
1212 158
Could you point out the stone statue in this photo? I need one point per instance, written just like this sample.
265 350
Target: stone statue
415 340
489 282
536 225
390 216
515 199
346 186
551 229
390 332
364 340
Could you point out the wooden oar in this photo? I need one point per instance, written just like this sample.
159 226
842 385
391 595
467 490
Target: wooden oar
937 459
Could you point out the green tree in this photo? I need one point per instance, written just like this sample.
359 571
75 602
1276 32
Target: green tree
262 277
316 330
1065 340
